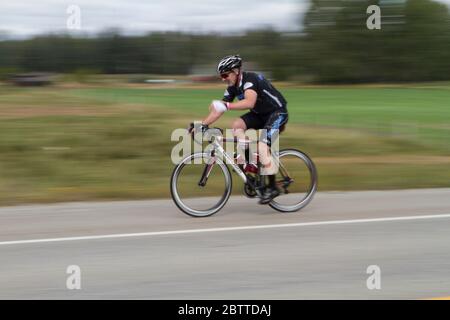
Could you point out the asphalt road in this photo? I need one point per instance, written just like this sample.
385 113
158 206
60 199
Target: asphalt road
321 252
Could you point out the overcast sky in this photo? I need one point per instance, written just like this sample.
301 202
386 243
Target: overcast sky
28 17
23 18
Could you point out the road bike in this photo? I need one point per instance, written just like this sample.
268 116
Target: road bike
201 183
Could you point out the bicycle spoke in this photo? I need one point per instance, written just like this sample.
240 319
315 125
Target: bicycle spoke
190 191
297 179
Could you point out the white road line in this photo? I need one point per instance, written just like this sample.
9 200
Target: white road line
269 226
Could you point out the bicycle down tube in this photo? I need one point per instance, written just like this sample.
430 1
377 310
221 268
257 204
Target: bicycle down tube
218 148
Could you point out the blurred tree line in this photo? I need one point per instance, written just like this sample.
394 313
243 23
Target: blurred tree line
333 46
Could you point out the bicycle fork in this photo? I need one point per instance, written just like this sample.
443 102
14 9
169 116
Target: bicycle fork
208 167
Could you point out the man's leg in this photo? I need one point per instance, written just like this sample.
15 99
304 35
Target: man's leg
266 159
270 168
239 128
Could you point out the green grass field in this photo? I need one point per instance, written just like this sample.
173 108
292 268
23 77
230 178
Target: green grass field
83 143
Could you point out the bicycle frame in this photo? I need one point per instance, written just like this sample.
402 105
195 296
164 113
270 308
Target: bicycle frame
254 180
218 149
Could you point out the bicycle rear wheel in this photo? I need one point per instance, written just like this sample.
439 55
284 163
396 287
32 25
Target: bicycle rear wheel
297 179
200 189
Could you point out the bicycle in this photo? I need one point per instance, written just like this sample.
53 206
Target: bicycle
296 184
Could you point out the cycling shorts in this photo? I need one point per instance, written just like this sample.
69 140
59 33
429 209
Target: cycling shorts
273 123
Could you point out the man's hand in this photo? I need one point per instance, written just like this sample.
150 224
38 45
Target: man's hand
193 127
219 106
214 114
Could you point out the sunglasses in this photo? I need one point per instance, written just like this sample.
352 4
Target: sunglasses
224 75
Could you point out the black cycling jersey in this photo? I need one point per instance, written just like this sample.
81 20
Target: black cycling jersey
269 99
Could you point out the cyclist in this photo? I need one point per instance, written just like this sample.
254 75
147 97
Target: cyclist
268 110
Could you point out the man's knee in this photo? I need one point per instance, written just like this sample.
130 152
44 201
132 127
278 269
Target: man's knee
239 124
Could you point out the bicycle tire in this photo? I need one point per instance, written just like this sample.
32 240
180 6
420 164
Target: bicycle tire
193 212
313 181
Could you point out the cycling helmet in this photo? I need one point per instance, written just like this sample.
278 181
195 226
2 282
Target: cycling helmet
228 63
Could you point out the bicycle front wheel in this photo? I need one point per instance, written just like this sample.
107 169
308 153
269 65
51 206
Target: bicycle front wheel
297 179
200 184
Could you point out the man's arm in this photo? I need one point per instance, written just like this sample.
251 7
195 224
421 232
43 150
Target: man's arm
248 102
212 116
